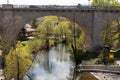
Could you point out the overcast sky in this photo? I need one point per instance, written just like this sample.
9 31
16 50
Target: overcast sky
46 2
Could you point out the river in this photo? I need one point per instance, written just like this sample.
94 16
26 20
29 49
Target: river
54 64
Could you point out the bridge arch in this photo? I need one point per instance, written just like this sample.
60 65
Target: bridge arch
87 40
76 16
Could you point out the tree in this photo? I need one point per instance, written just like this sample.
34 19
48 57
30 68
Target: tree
22 35
18 59
105 3
0 42
33 23
56 34
108 37
7 35
45 29
64 30
79 5
115 33
104 56
112 34
9 32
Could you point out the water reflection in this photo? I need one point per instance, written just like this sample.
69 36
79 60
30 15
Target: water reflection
52 65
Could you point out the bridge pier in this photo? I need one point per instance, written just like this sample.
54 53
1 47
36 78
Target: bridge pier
8 28
76 75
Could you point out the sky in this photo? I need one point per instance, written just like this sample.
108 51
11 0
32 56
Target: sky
46 2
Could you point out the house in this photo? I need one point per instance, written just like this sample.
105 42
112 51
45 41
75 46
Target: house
28 28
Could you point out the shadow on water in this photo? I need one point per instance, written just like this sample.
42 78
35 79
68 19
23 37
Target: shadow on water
54 64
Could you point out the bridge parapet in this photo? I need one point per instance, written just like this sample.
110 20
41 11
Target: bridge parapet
68 7
96 8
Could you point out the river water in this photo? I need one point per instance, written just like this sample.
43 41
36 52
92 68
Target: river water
54 64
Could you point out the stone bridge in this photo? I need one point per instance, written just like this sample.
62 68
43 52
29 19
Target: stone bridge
94 20
99 68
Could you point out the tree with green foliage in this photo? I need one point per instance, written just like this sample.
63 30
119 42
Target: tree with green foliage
105 3
117 54
104 56
108 37
81 40
33 23
64 30
22 35
47 30
45 27
118 32
112 34
59 28
56 34
17 62
35 45
115 32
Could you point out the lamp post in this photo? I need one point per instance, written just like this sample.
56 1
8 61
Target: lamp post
74 30
88 2
7 1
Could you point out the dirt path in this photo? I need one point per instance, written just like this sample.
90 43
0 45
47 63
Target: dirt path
87 76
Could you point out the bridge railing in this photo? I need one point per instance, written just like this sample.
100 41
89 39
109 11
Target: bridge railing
42 6
105 68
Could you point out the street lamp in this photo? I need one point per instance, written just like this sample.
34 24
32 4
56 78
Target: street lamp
7 1
74 30
88 2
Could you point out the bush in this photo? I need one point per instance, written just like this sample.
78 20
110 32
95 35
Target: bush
79 55
90 55
117 54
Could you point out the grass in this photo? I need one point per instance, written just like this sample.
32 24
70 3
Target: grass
87 76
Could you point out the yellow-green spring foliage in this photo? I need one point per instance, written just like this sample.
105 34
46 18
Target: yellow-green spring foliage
18 61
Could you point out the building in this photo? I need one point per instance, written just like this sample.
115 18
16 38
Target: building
28 28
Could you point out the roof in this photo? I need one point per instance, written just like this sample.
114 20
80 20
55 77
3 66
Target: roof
30 30
28 26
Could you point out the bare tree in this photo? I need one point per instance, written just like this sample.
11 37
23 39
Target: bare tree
9 32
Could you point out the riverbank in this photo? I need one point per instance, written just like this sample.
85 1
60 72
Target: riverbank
106 76
88 76
99 76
